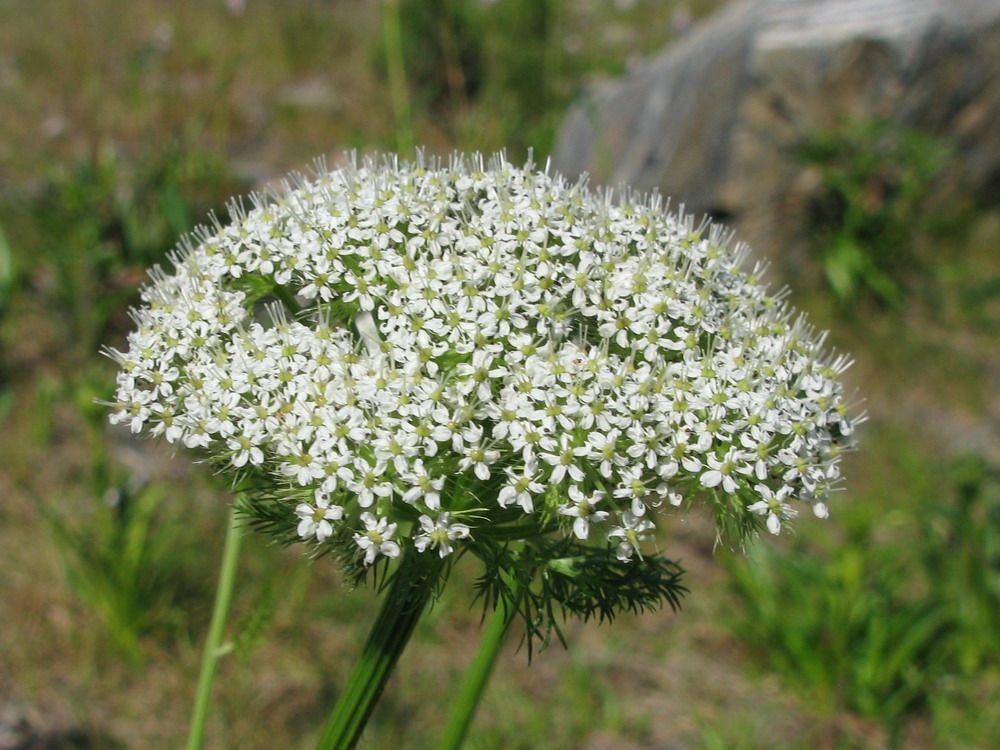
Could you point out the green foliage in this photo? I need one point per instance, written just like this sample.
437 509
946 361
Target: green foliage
876 624
104 220
590 583
546 580
307 30
873 204
122 560
493 66
962 558
839 626
966 713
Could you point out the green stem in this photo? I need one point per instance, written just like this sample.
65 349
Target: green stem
213 650
475 679
393 40
402 607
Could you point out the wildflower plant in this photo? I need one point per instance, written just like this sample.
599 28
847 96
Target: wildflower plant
420 361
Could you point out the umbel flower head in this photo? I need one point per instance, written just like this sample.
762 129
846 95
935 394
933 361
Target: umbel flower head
436 357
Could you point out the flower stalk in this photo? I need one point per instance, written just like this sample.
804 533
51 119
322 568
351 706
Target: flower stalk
478 674
409 593
213 645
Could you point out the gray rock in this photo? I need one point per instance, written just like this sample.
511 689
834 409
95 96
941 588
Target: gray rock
716 119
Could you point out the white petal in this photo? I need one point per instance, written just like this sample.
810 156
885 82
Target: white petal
711 478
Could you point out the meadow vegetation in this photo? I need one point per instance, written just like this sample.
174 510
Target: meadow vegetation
126 124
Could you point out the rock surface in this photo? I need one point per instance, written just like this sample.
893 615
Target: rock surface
716 120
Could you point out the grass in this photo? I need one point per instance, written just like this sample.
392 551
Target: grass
119 560
903 603
873 206
132 122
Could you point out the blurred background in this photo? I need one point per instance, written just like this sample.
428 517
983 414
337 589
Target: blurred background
852 142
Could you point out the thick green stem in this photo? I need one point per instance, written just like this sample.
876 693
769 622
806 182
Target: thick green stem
474 682
402 607
213 648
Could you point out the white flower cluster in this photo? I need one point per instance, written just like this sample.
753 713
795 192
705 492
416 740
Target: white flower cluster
467 347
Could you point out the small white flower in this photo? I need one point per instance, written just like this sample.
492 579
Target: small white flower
479 459
314 519
604 449
521 488
563 461
423 486
376 539
305 467
246 446
631 533
773 505
583 509
440 534
726 470
633 489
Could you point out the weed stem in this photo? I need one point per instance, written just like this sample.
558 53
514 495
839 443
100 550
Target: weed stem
474 682
213 652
